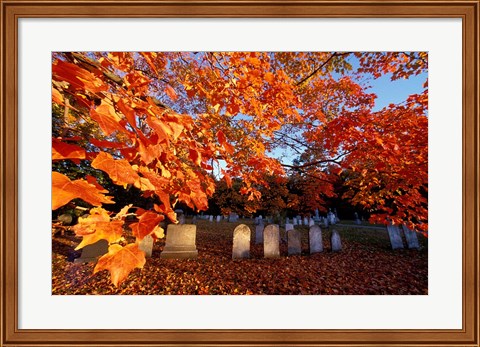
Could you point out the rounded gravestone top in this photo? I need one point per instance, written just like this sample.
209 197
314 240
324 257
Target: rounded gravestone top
242 228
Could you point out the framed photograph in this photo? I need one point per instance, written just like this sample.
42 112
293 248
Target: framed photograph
61 53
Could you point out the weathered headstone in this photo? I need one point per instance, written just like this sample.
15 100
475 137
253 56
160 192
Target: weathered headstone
411 237
305 221
219 218
271 241
299 220
294 242
311 222
325 222
336 242
331 218
241 242
146 245
315 239
337 220
357 220
180 242
288 226
181 219
259 233
233 218
65 219
395 236
93 252
210 219
180 213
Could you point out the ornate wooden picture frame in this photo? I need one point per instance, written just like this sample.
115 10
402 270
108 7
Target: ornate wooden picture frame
13 10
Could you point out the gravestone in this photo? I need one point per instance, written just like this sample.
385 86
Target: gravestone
181 219
294 221
325 222
294 242
219 218
92 252
336 242
180 242
315 239
395 236
271 241
331 218
288 226
317 214
233 218
411 236
210 219
65 219
241 242
259 234
305 221
337 220
311 222
357 220
180 214
146 245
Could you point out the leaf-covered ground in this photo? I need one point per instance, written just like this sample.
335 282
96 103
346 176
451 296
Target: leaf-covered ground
366 265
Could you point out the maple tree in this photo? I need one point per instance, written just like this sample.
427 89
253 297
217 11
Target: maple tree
163 123
275 198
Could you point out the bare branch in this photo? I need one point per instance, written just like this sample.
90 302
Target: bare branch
314 72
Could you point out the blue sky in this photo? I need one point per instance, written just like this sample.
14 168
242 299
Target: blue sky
395 91
387 92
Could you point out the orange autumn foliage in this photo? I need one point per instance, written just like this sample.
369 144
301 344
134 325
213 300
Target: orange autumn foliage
165 122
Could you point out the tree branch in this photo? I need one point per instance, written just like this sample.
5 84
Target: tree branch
314 72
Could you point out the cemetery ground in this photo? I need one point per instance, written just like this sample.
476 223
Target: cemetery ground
366 266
